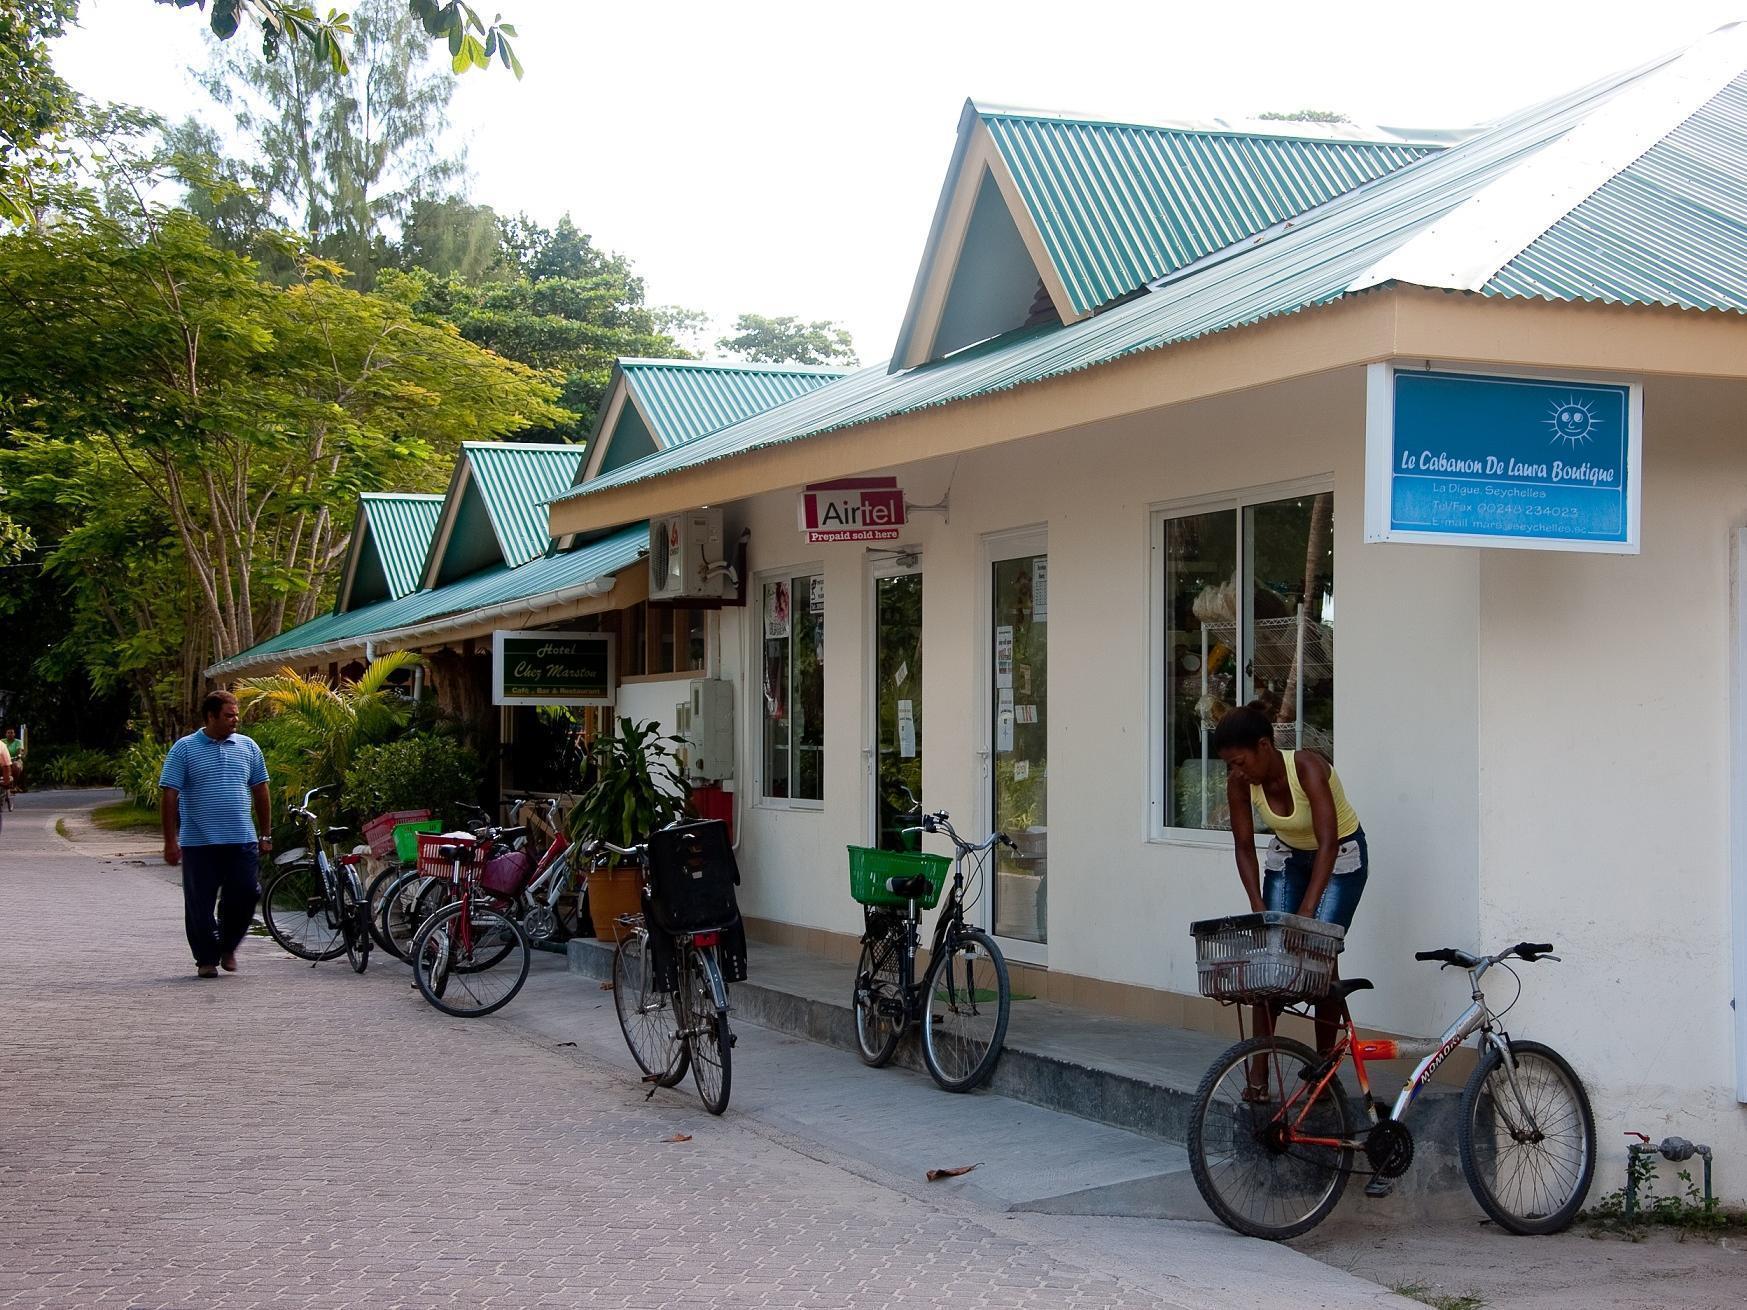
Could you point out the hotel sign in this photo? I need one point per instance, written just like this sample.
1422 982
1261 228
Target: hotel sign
552 668
1461 459
852 509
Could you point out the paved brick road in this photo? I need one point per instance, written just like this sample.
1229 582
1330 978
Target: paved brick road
302 1137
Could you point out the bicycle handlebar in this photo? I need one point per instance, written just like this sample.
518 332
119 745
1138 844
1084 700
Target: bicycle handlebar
940 823
1448 955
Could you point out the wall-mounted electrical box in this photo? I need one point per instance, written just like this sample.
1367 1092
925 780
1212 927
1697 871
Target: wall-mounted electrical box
706 721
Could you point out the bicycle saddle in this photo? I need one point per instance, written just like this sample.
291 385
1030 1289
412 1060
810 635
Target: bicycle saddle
912 888
1345 987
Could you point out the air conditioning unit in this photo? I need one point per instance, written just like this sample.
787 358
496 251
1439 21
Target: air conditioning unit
686 559
706 722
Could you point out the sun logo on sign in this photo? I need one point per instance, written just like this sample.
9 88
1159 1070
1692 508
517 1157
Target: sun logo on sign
1572 421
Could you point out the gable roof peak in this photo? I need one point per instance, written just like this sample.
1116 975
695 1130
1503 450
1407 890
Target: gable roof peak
734 365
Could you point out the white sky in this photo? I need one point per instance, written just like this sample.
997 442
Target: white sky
785 158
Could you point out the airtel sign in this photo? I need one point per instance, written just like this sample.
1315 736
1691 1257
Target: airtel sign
852 509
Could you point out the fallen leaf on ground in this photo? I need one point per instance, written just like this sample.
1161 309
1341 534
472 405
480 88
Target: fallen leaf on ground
607 986
935 1175
567 1043
678 1137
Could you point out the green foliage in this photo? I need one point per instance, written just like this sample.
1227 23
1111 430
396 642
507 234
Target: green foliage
337 156
472 43
1685 1208
419 771
138 769
71 766
637 785
454 239
311 730
126 816
1304 116
786 340
34 101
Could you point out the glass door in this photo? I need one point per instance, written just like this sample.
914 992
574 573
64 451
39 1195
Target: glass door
897 708
1019 720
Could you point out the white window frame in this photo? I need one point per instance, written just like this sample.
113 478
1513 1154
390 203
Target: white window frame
1159 515
755 674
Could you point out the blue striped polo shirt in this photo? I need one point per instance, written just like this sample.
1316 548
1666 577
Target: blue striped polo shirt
212 780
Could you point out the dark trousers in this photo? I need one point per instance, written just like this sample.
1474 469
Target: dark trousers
227 875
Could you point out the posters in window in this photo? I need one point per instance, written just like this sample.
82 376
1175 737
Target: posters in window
1004 657
907 729
777 611
816 594
1004 722
1040 589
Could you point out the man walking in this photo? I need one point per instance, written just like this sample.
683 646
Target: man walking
212 780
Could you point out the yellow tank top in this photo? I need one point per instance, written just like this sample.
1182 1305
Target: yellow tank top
1298 829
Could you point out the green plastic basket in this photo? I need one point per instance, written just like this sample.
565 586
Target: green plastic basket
869 869
406 838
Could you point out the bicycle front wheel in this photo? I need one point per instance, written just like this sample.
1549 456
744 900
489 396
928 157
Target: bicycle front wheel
374 898
966 998
294 906
1528 1150
447 959
879 998
647 1016
1245 1149
354 921
707 1035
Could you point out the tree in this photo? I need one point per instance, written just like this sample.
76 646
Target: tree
338 156
472 43
454 239
566 307
240 417
786 340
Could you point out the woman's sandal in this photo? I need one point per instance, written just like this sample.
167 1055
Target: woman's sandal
1253 1095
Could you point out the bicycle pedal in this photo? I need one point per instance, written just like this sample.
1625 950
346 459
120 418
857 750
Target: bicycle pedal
1379 1188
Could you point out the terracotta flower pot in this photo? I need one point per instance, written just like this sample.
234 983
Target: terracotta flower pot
612 892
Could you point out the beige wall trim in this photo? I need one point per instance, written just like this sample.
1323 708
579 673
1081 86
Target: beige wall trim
1119 1000
1394 322
609 425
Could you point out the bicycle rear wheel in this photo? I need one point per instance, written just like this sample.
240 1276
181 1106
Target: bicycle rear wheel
447 955
354 912
395 922
294 906
374 897
966 997
1528 1162
710 1042
1248 1171
647 1016
879 995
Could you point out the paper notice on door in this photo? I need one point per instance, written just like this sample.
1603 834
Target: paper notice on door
903 674
1004 657
1004 721
1021 770
1040 589
776 611
907 729
1025 714
816 594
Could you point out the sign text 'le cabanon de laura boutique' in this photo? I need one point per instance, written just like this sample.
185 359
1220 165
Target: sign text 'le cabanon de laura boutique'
1532 463
852 509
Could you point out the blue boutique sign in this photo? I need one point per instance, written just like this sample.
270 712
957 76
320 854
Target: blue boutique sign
1537 463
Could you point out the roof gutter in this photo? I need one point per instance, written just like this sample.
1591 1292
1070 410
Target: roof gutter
393 637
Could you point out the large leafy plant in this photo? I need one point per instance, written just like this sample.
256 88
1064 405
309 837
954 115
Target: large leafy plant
634 785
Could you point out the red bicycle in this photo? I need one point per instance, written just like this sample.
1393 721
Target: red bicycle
471 957
1271 1136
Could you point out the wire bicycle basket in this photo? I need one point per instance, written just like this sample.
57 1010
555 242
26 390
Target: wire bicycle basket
1268 956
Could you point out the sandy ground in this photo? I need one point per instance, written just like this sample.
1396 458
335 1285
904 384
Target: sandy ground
1573 1271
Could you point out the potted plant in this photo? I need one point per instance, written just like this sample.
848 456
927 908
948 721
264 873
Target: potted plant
634 785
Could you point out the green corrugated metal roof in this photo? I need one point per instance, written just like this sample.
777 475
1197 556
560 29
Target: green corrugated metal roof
541 578
1120 204
1320 257
685 399
398 526
513 481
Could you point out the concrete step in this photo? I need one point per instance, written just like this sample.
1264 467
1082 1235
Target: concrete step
1124 1073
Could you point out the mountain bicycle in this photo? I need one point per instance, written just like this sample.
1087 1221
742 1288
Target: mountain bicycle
962 1004
314 903
1271 1155
471 957
673 1017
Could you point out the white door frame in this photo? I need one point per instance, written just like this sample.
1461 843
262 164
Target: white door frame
1010 544
1737 801
895 563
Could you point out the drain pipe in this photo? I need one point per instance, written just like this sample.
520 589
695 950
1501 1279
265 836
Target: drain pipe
1676 1149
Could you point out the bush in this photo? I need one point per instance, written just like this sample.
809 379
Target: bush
139 769
418 772
71 766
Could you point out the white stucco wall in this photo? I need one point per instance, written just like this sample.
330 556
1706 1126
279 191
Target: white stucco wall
1537 743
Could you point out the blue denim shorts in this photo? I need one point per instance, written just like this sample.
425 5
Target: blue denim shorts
1288 875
